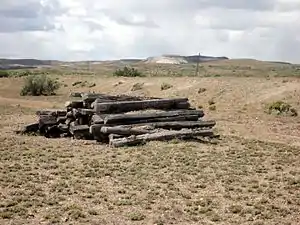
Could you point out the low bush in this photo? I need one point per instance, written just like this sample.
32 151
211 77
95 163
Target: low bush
281 108
36 85
127 72
4 73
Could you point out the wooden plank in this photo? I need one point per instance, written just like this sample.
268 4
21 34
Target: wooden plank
171 125
123 131
100 97
175 115
160 136
153 120
127 106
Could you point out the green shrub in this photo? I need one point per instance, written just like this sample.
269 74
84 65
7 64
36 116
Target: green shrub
127 72
39 85
280 108
4 73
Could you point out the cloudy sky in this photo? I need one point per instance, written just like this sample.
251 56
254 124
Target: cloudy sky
111 29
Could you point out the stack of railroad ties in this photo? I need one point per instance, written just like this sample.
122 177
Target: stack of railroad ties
123 120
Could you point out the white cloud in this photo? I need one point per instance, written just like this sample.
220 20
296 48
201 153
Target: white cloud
88 29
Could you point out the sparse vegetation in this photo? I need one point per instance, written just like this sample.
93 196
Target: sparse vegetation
39 85
201 90
281 108
137 86
128 72
212 107
4 73
188 182
83 84
248 177
165 86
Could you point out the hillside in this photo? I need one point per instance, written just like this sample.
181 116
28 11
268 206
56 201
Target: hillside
179 59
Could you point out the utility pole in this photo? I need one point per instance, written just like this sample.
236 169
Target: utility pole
197 67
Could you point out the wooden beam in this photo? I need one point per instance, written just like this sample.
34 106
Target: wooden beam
171 125
160 136
175 115
127 106
123 131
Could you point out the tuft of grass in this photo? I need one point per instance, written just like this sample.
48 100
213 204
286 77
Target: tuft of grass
137 86
137 216
39 85
211 102
83 84
4 73
165 86
201 90
212 107
281 108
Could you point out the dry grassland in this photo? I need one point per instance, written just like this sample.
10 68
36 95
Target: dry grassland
250 176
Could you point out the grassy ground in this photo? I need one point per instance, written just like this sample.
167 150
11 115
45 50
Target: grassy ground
251 176
223 68
235 182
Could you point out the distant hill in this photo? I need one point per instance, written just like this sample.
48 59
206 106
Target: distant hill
179 59
25 63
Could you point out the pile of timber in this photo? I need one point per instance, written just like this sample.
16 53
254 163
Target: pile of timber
122 120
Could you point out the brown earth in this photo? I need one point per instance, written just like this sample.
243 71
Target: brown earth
251 176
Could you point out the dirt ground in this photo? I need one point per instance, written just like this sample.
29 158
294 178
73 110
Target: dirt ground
251 176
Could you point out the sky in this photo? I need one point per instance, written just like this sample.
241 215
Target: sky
113 29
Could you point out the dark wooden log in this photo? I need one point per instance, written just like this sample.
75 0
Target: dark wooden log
95 131
30 128
63 127
160 136
172 125
91 97
52 132
123 131
176 115
80 131
97 119
74 104
51 112
61 119
158 119
46 121
127 106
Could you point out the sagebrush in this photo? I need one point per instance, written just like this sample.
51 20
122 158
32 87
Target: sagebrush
36 85
128 72
281 108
